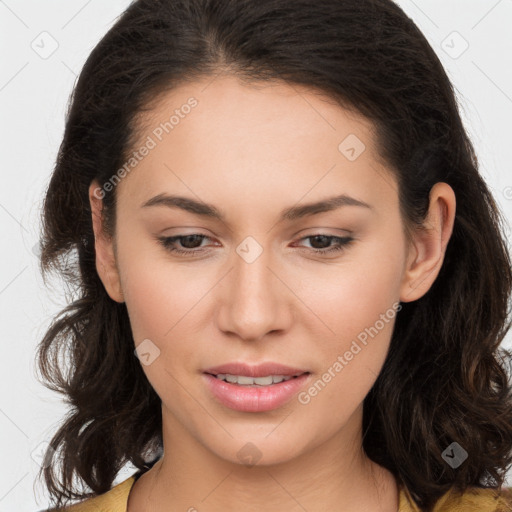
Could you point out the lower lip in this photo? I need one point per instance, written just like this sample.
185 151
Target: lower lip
255 399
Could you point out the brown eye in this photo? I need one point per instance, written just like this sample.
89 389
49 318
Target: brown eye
190 243
321 243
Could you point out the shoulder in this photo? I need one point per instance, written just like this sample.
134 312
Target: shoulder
115 500
476 499
473 499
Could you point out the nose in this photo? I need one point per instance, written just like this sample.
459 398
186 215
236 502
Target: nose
253 300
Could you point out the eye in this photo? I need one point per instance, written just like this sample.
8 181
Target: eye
189 241
324 239
192 243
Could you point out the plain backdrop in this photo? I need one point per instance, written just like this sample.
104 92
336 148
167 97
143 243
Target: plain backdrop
43 47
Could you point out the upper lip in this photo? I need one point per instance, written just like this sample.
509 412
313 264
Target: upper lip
254 370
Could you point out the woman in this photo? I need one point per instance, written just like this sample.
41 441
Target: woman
285 292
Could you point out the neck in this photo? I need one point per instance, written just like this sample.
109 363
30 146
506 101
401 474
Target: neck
335 475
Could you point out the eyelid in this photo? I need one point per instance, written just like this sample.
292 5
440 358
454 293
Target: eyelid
341 243
297 236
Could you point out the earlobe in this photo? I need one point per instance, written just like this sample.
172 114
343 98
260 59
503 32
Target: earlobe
428 249
104 248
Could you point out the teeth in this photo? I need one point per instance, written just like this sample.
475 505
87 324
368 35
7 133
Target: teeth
253 381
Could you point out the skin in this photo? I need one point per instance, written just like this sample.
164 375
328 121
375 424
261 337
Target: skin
253 151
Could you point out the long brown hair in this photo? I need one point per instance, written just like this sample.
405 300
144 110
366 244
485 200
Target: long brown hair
445 378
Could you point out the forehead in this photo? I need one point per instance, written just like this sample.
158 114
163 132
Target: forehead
220 133
235 109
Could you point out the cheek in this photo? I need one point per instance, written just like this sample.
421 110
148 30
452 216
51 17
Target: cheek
352 360
358 301
351 295
159 294
159 302
160 307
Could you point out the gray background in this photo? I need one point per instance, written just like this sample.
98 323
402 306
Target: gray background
43 47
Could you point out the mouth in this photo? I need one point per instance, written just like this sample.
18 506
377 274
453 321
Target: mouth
257 382
259 370
254 394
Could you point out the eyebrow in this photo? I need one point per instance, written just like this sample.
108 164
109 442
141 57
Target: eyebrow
288 214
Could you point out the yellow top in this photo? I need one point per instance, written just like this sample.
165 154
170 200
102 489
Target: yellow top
473 500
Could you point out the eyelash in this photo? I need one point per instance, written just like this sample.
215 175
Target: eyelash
168 242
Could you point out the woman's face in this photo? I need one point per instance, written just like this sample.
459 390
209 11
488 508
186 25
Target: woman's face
252 289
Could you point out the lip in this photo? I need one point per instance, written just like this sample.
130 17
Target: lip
255 399
258 370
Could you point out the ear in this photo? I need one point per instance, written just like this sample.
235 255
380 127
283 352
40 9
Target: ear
428 247
104 246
